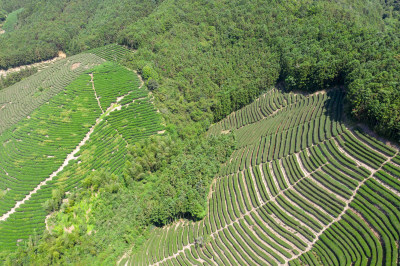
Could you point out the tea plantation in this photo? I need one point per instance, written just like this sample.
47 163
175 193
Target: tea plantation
67 121
300 189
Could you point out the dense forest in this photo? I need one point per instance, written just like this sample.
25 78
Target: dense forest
202 59
235 49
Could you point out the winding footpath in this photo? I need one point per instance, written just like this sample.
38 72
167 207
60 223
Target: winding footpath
4 73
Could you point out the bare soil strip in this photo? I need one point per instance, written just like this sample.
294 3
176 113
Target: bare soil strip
61 55
95 93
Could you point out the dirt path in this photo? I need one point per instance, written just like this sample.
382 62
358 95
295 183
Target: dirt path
140 78
95 93
61 55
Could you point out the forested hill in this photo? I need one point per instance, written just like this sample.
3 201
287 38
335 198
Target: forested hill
219 55
216 79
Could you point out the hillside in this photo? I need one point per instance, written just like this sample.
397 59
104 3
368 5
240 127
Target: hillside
221 55
300 189
199 132
72 119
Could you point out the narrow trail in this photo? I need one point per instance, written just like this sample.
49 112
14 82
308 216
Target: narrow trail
140 78
95 93
69 158
61 55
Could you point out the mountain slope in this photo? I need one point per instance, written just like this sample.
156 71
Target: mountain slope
84 126
298 185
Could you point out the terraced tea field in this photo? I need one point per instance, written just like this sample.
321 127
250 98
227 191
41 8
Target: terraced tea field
21 99
82 120
300 189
